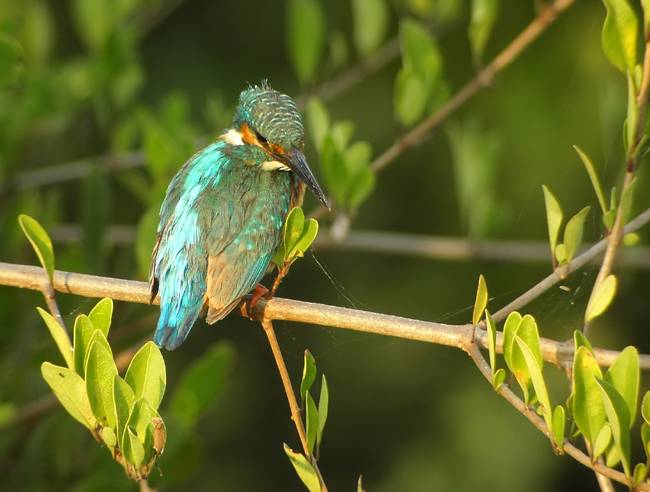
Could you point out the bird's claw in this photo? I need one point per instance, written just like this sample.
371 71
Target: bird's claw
248 306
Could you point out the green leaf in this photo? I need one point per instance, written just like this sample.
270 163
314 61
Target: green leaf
306 37
645 4
492 340
70 390
537 378
640 472
146 374
132 448
632 112
108 436
141 417
308 374
98 337
82 333
593 176
411 96
323 409
559 424
573 233
619 420
619 36
498 378
625 375
370 24
124 400
553 217
311 416
304 469
11 60
580 340
293 227
484 14
60 336
560 254
526 329
481 300
588 410
202 383
645 438
360 484
318 122
609 218
100 371
601 298
645 407
602 441
102 314
94 21
308 234
361 186
510 328
40 241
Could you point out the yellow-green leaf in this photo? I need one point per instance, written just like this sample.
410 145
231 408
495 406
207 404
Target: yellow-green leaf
370 23
102 314
60 336
308 374
625 375
40 241
573 233
123 399
602 441
304 469
100 371
311 416
554 217
601 298
498 378
559 424
620 34
484 14
305 37
82 333
132 448
619 420
588 410
323 409
492 340
70 390
146 374
593 176
318 122
537 378
481 300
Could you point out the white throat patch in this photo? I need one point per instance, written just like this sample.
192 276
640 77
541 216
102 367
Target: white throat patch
233 137
275 166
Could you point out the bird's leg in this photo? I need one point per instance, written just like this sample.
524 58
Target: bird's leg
258 293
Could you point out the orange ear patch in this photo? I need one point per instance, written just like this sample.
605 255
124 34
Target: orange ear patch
247 135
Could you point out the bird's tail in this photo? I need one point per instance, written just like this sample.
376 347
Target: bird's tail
174 324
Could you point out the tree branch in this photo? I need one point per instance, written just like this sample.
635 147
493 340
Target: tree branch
577 454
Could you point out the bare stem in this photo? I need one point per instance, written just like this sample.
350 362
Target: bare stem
294 408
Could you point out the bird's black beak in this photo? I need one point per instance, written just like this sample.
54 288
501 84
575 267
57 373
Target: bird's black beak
295 159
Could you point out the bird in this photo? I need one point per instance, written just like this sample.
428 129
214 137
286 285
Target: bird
222 216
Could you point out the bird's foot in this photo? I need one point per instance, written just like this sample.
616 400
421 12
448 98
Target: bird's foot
260 292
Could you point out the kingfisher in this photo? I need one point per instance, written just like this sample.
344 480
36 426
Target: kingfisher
222 217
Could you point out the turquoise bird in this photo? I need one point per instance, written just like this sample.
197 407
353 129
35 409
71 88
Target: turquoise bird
222 216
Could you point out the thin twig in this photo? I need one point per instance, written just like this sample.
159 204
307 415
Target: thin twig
294 408
577 454
631 161
483 78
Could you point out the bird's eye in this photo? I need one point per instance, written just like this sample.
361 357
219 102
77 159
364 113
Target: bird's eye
260 138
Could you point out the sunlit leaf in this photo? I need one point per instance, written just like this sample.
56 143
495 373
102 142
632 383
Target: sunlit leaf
481 300
602 441
306 37
492 340
625 375
123 400
627 198
645 407
308 374
588 410
573 233
40 241
82 333
102 314
645 438
559 424
370 19
132 448
323 409
593 176
100 371
620 34
70 390
498 378
146 374
640 472
537 378
304 469
108 436
580 340
311 417
553 217
60 336
601 297
619 420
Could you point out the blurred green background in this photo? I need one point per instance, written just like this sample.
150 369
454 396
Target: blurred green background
153 80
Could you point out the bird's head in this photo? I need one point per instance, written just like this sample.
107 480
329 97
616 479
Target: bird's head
270 121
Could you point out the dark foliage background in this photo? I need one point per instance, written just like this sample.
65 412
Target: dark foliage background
406 415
